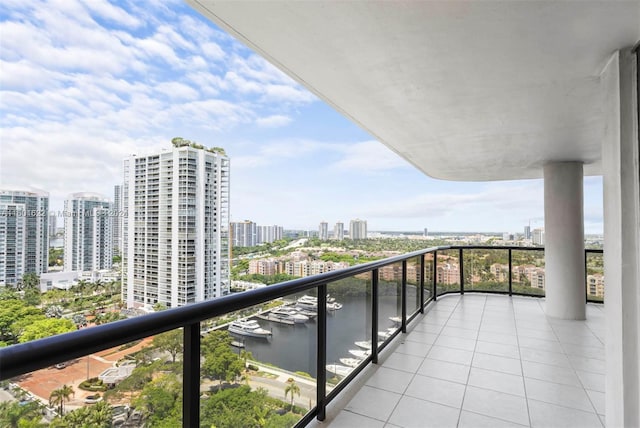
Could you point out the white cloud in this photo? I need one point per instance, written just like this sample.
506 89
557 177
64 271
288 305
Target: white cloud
274 121
112 13
177 91
368 156
212 51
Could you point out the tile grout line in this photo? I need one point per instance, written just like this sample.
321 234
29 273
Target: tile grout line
524 384
575 371
402 395
466 386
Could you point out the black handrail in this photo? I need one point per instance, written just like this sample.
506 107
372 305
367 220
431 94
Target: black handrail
23 358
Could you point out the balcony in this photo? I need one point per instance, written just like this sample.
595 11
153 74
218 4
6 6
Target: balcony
485 360
452 357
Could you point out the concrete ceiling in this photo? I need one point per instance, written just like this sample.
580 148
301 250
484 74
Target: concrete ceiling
464 90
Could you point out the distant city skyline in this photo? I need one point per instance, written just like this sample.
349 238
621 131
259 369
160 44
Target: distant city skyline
86 84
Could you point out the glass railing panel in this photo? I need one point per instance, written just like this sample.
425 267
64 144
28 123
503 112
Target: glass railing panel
486 270
107 388
448 271
258 365
390 300
349 318
528 272
595 276
428 277
413 284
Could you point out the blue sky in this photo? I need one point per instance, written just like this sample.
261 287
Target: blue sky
85 83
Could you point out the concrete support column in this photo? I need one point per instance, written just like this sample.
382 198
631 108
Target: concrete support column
621 182
565 285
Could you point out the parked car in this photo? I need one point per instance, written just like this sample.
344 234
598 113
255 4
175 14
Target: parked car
92 399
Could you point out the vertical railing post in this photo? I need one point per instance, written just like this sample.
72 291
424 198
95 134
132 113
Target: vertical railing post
191 376
321 369
510 273
461 263
435 275
403 300
374 316
421 283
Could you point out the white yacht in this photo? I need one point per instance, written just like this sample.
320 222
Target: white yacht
291 314
350 362
334 306
246 327
359 353
339 370
384 335
309 303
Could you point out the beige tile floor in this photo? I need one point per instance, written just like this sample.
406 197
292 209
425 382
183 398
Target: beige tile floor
487 361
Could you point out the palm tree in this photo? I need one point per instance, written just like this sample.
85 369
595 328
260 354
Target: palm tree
55 400
246 355
101 415
59 396
293 388
260 415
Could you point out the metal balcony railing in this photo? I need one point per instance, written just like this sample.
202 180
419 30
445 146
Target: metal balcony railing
23 358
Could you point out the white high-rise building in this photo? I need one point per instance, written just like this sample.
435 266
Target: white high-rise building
88 236
338 231
116 219
358 229
53 224
268 234
323 231
176 228
24 234
244 233
537 236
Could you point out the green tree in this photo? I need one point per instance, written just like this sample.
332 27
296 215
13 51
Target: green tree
29 281
32 296
161 399
45 328
159 307
15 415
59 396
215 339
291 388
56 257
13 310
171 342
222 364
233 407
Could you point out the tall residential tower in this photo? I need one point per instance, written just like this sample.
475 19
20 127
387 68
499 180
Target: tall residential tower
117 220
323 231
176 231
87 232
24 234
358 229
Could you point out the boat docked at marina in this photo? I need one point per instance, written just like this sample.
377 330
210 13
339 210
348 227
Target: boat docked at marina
365 344
290 314
311 303
247 327
359 353
384 335
351 362
339 370
308 303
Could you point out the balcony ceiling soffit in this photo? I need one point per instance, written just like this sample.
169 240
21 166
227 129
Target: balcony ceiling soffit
464 90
